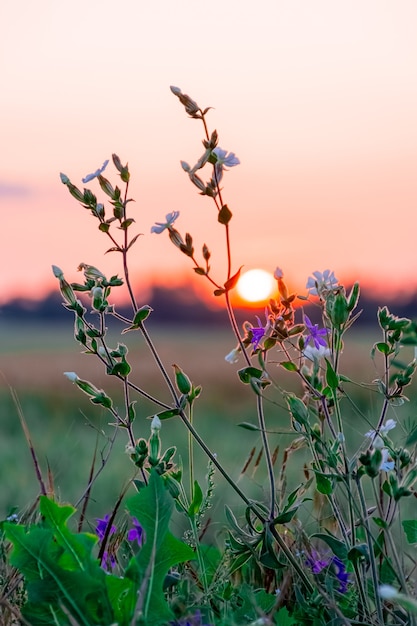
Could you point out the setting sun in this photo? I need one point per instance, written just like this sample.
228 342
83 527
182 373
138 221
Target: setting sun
256 285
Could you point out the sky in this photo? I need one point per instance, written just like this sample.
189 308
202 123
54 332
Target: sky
317 98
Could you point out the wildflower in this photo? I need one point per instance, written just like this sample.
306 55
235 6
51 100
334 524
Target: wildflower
386 466
278 273
315 563
232 357
386 592
72 376
377 440
95 174
135 533
318 564
258 332
224 158
315 354
159 227
192 620
315 333
102 527
156 423
389 425
321 283
341 574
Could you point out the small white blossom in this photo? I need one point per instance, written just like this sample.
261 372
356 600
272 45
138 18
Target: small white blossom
386 592
386 466
233 355
321 283
159 227
95 174
278 273
156 423
315 354
72 376
385 428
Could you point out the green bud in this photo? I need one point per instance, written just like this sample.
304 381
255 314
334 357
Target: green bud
340 311
182 381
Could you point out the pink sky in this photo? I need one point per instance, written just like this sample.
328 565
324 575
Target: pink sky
317 98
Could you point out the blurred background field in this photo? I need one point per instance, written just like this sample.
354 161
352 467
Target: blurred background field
65 427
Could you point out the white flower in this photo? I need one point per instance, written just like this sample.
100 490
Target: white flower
315 354
386 465
156 423
232 357
225 158
386 592
170 219
278 273
321 283
372 434
72 376
96 173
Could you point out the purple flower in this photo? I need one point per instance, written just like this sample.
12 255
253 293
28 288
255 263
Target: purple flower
341 574
102 527
135 533
318 564
95 174
193 620
258 332
315 333
315 563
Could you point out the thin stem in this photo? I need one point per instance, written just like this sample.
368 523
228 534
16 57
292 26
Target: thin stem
368 533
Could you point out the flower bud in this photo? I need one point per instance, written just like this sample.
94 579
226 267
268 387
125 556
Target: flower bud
182 380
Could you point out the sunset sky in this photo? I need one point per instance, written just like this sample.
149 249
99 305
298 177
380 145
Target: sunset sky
317 98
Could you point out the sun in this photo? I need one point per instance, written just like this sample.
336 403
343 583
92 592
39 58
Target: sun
256 286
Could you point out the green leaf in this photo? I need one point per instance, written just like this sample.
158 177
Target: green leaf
164 415
410 529
289 365
383 347
324 484
62 577
332 378
247 373
248 426
153 507
297 408
283 618
197 500
336 546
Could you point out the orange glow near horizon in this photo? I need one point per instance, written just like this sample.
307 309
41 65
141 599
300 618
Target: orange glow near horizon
317 100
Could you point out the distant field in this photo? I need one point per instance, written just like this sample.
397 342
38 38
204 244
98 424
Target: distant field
64 424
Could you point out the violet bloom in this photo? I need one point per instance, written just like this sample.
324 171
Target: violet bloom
170 219
135 533
341 574
258 332
96 173
315 563
315 333
318 564
193 620
102 527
